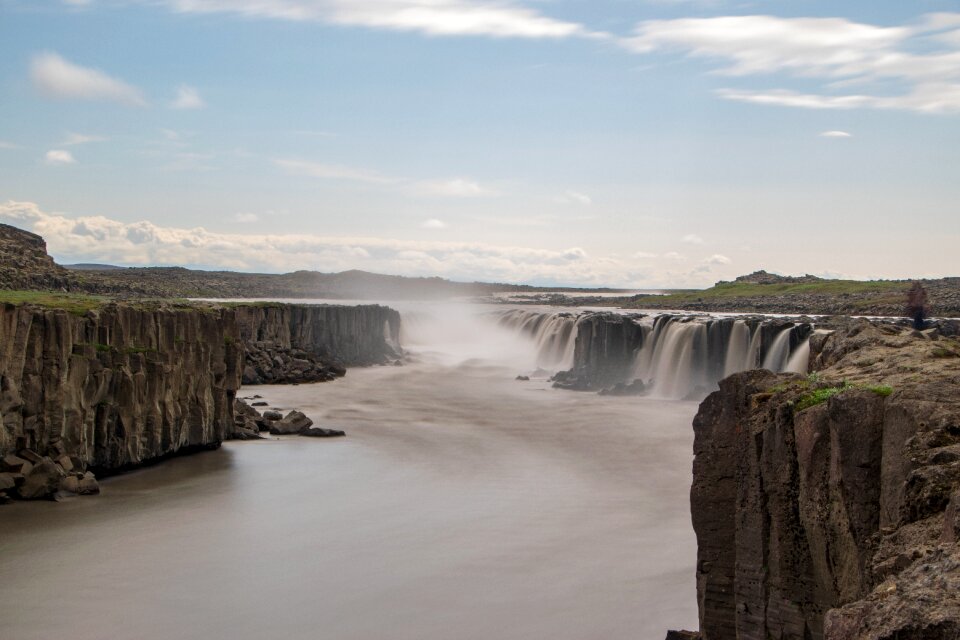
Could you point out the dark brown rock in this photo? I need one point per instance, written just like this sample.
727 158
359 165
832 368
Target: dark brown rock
293 423
317 432
43 481
835 518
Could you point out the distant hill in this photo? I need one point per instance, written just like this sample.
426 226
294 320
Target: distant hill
762 292
25 264
91 267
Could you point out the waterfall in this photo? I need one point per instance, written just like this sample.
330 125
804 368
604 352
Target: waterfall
799 360
739 348
779 351
554 335
674 356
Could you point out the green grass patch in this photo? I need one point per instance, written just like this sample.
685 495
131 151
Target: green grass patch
821 395
75 303
135 350
940 352
882 289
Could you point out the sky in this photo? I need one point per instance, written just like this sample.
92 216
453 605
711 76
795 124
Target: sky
627 143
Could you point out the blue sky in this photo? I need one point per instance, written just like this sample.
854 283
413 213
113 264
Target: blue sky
625 142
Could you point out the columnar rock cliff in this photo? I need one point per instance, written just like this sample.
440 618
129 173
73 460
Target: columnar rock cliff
369 334
826 506
119 385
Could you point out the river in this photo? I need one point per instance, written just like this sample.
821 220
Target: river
462 505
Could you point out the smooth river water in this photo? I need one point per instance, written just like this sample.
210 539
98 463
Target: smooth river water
462 505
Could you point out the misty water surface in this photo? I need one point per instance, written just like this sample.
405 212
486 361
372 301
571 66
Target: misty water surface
462 505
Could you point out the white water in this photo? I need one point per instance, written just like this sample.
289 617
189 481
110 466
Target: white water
462 505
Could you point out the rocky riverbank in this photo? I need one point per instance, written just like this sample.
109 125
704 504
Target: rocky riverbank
119 385
825 506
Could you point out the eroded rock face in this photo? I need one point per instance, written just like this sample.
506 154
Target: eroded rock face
300 336
827 507
117 386
125 384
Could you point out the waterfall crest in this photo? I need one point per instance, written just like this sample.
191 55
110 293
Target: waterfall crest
671 356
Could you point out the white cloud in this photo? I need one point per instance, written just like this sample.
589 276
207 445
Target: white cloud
100 239
58 78
575 197
59 157
503 19
837 51
452 188
79 138
835 134
8 145
692 238
433 223
673 255
245 218
643 255
332 172
718 259
455 188
187 98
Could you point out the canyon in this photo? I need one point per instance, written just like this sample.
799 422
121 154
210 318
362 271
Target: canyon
825 489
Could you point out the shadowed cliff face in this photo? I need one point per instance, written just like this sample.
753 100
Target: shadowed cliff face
123 385
825 507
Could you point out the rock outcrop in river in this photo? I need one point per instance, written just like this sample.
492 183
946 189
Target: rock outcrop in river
826 506
120 385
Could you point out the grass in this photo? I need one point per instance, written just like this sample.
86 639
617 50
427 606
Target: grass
75 303
821 395
739 290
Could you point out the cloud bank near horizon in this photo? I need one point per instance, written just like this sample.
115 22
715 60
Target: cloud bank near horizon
98 239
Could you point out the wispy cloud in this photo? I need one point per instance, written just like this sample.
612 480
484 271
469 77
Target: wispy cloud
101 239
835 134
717 259
187 98
433 223
74 139
692 238
56 157
332 172
837 51
454 188
56 77
574 197
8 145
502 19
451 188
245 217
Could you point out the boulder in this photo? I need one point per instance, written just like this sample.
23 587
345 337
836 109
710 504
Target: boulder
317 432
260 404
293 423
522 378
88 485
12 463
7 481
70 484
43 480
272 415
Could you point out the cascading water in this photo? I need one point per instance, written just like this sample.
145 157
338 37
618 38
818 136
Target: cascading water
674 356
779 352
554 335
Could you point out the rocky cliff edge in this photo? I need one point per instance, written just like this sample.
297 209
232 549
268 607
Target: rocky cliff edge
828 506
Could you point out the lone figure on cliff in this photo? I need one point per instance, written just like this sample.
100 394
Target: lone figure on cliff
917 307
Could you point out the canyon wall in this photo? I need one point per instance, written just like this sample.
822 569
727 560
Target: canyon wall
826 506
119 385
